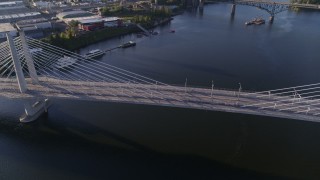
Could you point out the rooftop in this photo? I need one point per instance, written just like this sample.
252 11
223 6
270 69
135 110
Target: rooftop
6 27
10 3
32 21
70 14
21 15
111 18
95 20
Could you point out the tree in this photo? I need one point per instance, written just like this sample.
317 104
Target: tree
73 30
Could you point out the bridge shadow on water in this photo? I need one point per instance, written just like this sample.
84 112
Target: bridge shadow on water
95 140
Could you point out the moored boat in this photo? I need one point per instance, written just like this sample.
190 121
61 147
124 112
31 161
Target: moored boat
128 44
94 54
256 21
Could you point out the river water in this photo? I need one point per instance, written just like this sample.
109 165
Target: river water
95 140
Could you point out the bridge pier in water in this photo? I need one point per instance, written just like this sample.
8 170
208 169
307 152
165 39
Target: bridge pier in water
233 9
201 4
271 19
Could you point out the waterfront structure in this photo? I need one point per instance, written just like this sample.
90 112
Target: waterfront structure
98 81
7 28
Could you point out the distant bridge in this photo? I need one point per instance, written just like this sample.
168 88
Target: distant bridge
28 70
272 7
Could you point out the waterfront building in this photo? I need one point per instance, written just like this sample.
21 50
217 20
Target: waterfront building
91 24
98 23
112 22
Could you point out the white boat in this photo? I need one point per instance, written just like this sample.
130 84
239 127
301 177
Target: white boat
65 62
128 44
94 54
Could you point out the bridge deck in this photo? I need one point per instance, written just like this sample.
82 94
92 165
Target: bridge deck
173 96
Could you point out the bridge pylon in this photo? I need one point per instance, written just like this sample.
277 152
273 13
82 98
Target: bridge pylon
233 9
17 64
29 58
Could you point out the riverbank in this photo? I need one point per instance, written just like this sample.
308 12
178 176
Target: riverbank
75 43
89 38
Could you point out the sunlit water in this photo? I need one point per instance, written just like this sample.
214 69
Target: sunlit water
95 140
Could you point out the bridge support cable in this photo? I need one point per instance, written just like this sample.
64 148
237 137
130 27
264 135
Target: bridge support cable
61 74
37 65
90 68
96 79
104 64
89 64
146 79
304 99
264 93
288 99
76 77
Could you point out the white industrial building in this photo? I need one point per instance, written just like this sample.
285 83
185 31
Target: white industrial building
7 28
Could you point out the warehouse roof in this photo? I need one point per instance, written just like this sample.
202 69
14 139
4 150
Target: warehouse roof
6 27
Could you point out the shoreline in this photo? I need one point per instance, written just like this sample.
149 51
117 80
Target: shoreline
76 43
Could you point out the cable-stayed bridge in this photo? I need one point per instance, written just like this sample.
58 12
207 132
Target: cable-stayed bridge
31 69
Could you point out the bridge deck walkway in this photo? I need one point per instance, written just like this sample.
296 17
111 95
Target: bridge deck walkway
173 96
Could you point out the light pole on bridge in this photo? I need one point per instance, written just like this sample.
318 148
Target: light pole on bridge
212 85
240 88
185 86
